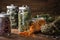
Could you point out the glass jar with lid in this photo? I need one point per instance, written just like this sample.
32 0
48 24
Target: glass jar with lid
4 24
13 11
23 17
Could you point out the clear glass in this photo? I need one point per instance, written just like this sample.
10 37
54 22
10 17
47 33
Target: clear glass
13 17
23 17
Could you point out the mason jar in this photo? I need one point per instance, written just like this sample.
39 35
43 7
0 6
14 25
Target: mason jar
13 11
4 24
23 17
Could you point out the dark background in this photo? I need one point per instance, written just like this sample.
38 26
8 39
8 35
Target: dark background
37 6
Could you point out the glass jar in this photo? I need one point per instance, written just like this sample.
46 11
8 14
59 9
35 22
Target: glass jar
23 17
4 24
12 10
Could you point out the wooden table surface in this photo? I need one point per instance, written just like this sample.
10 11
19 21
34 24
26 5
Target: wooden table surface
39 36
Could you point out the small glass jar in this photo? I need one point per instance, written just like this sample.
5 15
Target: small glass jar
23 17
4 24
13 11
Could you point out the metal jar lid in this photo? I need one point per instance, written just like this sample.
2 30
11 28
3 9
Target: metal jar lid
1 15
11 6
4 15
24 7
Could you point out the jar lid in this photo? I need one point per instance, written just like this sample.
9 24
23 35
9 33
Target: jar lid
22 8
2 15
11 6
